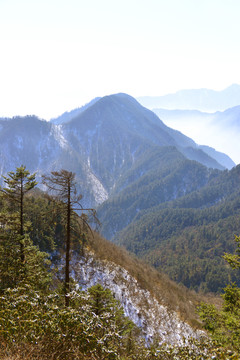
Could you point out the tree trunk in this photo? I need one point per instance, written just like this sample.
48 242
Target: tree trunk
67 277
21 223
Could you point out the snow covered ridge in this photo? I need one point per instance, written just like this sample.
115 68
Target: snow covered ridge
56 131
99 192
139 305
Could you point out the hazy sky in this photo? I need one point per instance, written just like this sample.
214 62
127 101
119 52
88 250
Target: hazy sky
57 55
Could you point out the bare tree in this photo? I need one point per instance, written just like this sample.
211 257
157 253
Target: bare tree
62 185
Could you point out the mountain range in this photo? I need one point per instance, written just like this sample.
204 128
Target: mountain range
99 144
222 127
195 99
209 117
151 184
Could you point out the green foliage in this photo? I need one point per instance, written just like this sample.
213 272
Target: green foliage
210 316
224 324
63 186
101 300
170 177
36 324
35 271
47 223
179 219
20 261
18 184
40 326
29 317
187 244
234 259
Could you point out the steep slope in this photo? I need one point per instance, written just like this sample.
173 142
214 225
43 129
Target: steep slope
221 158
69 115
163 182
157 305
101 144
118 122
28 140
222 129
41 146
187 237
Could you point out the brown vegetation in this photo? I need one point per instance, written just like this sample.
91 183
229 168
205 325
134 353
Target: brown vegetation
176 297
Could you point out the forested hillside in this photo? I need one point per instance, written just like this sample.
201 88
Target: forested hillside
100 142
163 177
36 320
132 167
187 236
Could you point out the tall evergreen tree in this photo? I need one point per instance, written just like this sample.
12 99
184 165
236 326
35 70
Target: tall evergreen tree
18 184
20 261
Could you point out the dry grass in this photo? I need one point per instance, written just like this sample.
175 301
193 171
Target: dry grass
177 297
39 351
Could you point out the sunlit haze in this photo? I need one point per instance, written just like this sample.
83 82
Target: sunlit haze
57 55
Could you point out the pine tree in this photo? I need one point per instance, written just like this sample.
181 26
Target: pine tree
62 185
224 324
234 259
21 262
18 184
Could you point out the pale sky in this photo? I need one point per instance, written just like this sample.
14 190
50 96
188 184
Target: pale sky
57 55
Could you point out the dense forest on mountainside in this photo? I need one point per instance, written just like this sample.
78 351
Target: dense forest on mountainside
132 167
47 232
185 237
35 321
169 179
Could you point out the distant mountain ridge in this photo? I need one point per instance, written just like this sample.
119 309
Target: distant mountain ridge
69 115
195 99
128 164
218 129
130 109
100 144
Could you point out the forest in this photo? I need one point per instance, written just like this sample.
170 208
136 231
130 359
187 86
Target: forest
43 313
188 236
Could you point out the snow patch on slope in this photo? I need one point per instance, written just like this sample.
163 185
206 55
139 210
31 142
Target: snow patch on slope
57 132
99 192
154 319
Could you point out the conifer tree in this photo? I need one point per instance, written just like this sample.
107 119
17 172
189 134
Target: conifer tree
20 261
224 324
234 259
62 185
18 184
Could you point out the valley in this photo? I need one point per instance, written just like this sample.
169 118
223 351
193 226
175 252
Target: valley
173 204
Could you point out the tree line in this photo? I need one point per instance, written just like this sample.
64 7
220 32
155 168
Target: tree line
62 186
42 318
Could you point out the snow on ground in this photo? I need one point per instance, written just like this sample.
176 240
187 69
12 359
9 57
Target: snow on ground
145 311
56 131
99 192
